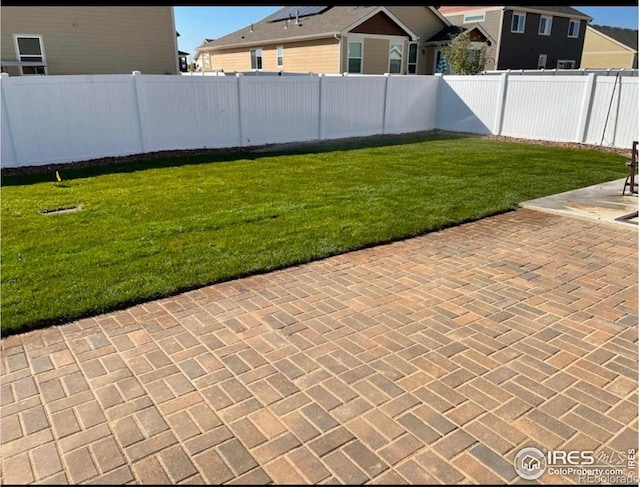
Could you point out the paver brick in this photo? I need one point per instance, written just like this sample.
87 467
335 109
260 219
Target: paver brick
17 470
310 467
80 465
237 456
150 471
107 454
438 468
177 463
10 428
330 441
207 440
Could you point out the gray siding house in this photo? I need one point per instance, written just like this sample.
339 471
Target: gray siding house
527 37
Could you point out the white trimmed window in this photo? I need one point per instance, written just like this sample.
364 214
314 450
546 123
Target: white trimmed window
566 64
395 57
517 22
280 56
574 28
545 25
412 58
469 18
542 61
256 58
354 57
29 49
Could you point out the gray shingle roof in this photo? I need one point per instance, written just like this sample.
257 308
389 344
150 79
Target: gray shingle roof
559 10
628 37
333 20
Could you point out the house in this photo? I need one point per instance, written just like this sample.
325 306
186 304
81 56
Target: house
527 37
610 47
332 40
478 37
182 59
88 40
201 58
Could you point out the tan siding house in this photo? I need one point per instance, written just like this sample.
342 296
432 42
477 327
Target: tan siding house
331 40
491 22
610 47
88 40
311 56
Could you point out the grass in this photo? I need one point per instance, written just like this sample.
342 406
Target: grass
154 228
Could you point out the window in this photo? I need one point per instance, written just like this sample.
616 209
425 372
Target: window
545 26
473 18
412 61
256 58
566 64
29 50
542 61
280 56
354 55
395 57
517 22
574 28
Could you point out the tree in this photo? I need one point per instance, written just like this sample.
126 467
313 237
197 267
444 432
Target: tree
462 58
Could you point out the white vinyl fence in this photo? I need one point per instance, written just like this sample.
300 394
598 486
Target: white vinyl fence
53 119
601 110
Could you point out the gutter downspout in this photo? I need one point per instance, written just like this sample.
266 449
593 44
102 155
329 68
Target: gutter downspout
499 40
338 38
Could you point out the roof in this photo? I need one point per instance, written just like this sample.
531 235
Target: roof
332 21
182 53
628 37
562 10
446 34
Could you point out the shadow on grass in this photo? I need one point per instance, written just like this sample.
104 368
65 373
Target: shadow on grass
61 320
155 160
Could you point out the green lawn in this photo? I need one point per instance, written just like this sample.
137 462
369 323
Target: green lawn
153 228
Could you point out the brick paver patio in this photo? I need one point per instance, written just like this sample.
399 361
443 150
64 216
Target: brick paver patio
434 359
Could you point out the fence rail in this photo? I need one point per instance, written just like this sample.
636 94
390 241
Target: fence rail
53 119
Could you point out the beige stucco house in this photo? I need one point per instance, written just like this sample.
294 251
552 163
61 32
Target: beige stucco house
610 47
88 40
330 40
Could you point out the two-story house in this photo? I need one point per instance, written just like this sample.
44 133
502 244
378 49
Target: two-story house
527 37
88 40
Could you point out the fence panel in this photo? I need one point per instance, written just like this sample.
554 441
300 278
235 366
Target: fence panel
279 109
352 106
189 113
468 103
8 154
71 118
614 112
543 108
411 104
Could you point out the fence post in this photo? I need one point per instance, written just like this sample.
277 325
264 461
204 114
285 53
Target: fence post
436 118
7 128
137 84
240 128
384 105
585 110
500 104
320 78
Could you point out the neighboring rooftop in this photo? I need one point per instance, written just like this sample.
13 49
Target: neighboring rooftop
311 22
568 11
628 37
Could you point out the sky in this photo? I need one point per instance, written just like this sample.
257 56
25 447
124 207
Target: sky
197 23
